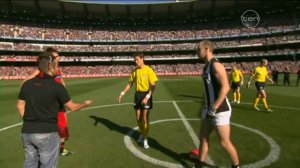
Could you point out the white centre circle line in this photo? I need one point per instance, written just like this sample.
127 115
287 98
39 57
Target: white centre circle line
272 156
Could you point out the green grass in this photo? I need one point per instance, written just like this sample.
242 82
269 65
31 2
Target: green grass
97 134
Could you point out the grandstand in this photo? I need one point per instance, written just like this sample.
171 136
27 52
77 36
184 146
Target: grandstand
96 39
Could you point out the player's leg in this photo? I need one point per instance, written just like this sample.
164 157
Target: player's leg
146 111
224 134
138 114
139 119
146 122
63 133
233 92
146 126
257 98
264 100
238 93
205 130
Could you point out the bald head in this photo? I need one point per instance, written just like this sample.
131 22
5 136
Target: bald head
205 49
207 44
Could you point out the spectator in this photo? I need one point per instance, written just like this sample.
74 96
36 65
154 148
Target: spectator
275 74
38 104
286 76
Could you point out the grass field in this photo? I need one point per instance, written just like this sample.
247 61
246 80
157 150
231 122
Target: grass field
97 133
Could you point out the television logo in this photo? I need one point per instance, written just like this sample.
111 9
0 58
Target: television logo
250 18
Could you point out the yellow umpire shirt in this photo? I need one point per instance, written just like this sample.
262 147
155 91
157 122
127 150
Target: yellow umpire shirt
260 74
236 75
143 77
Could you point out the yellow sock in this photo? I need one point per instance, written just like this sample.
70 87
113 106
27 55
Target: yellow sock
146 129
239 97
265 103
256 101
141 127
234 96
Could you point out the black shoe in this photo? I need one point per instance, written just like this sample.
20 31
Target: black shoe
237 166
200 164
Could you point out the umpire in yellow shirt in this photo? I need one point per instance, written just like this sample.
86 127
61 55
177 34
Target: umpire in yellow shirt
236 80
144 79
260 75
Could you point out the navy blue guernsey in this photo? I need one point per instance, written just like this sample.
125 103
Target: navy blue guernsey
213 87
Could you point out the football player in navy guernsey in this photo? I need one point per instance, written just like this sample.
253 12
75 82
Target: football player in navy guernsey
217 110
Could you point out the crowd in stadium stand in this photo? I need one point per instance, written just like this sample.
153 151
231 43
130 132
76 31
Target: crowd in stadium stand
146 33
147 47
161 69
285 52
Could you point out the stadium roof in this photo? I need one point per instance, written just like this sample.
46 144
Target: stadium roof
135 8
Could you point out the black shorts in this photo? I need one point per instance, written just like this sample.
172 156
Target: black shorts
260 85
235 85
138 98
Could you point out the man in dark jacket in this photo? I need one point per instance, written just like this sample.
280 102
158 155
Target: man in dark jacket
38 103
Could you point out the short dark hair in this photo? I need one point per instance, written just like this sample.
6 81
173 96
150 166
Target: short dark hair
141 55
262 61
209 44
44 60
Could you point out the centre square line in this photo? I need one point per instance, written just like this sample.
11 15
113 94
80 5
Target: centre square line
191 131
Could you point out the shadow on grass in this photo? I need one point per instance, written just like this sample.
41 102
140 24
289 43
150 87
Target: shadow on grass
191 96
153 143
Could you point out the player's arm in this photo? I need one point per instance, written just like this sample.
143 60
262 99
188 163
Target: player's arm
230 78
151 90
249 81
34 73
64 99
222 79
21 107
242 78
126 89
267 76
72 106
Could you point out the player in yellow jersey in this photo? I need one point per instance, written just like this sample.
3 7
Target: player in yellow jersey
236 80
144 79
260 75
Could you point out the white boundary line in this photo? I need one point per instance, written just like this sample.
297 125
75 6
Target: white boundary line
272 156
121 104
95 107
191 131
282 107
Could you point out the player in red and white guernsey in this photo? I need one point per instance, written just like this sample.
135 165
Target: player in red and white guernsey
62 118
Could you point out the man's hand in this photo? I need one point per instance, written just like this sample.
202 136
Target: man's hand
212 113
88 102
145 100
119 99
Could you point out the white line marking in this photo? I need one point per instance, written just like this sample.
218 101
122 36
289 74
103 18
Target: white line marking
95 107
191 131
282 107
131 147
15 125
272 156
